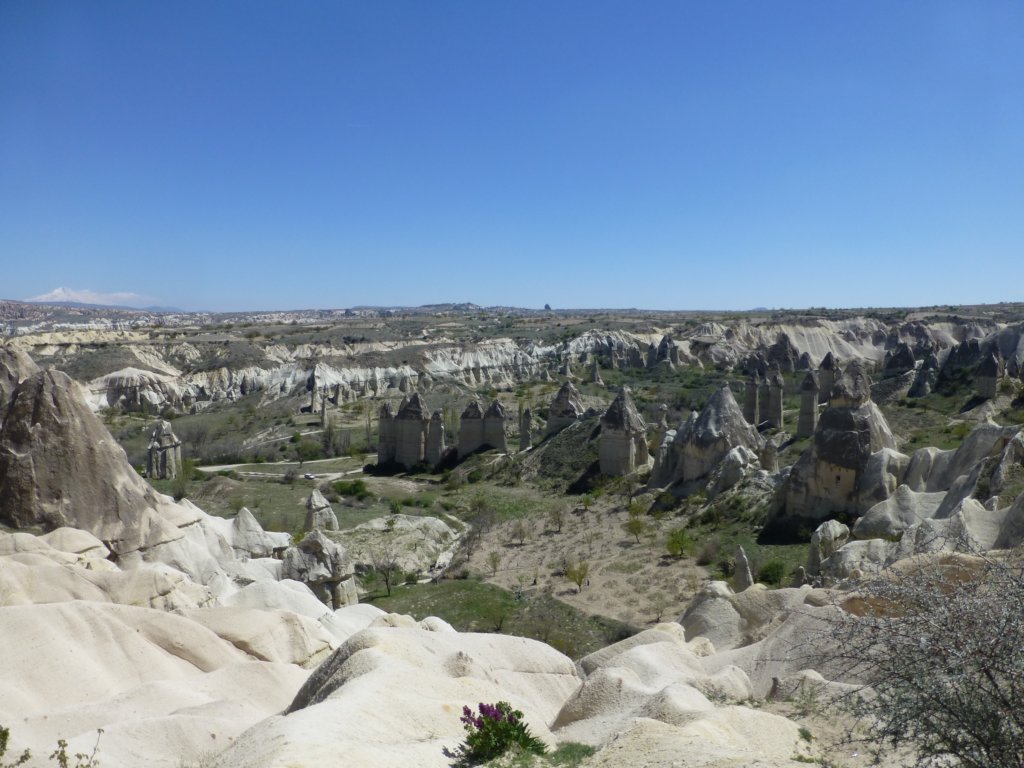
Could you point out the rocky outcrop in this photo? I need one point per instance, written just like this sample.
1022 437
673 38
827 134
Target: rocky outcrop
899 360
705 439
494 427
59 466
323 566
386 434
479 429
567 408
471 429
927 375
411 432
828 372
751 409
319 514
435 447
782 355
526 429
163 457
15 367
986 378
623 443
826 540
830 476
776 391
808 420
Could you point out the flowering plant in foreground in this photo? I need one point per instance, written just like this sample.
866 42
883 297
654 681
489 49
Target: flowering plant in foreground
492 732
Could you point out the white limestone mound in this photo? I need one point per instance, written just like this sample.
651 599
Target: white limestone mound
650 690
932 469
393 696
890 518
731 620
279 636
731 737
163 687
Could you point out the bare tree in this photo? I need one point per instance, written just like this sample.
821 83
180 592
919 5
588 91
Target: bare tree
938 644
383 555
556 519
520 530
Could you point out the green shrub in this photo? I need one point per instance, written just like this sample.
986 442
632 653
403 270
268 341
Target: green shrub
772 572
679 542
491 733
355 488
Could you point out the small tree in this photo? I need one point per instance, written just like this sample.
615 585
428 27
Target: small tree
556 519
307 450
577 574
494 560
635 525
678 542
520 530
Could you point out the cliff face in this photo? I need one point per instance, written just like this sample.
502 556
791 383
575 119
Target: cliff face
128 368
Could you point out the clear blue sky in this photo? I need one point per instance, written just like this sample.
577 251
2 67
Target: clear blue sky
262 155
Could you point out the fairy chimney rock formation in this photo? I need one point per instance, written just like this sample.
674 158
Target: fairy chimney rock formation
386 434
987 377
808 420
595 374
494 427
163 458
899 360
526 430
566 408
827 479
435 439
471 429
623 445
15 367
826 377
763 397
319 514
701 443
411 432
927 375
751 411
60 467
776 386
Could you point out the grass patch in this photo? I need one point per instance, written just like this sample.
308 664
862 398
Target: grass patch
475 606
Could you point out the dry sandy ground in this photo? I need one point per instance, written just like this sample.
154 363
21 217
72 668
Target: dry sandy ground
633 582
